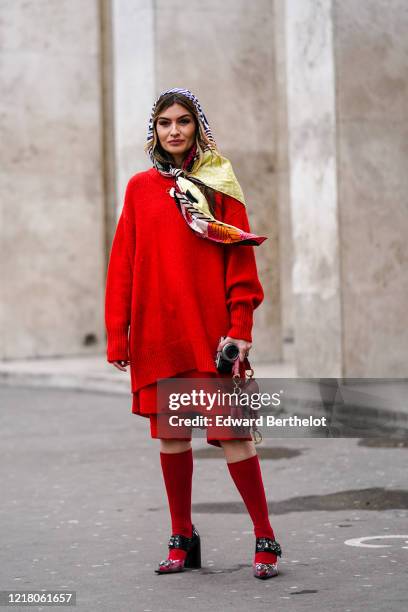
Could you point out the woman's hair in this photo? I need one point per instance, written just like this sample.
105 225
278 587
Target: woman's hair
164 157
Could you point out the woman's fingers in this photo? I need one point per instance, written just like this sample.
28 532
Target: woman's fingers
244 352
243 346
221 343
121 365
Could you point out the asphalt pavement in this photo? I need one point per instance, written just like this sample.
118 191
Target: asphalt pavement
84 508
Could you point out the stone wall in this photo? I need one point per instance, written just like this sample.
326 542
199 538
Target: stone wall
52 230
313 187
307 99
224 53
347 96
371 55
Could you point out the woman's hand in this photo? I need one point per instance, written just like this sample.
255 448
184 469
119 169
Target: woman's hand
243 346
121 365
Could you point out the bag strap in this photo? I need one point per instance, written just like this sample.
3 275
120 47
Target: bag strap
240 368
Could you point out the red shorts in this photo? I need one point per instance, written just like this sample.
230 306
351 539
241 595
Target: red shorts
145 404
214 433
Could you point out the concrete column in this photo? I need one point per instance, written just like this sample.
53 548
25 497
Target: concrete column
347 107
371 54
283 181
313 187
133 87
52 234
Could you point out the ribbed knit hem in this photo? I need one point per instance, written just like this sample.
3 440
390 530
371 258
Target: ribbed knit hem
117 345
241 318
169 359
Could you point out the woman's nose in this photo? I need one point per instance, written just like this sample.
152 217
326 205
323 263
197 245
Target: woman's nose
174 129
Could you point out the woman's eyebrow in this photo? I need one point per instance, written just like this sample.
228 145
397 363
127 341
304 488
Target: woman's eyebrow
181 117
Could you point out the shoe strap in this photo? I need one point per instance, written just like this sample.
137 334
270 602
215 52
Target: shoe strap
180 541
268 545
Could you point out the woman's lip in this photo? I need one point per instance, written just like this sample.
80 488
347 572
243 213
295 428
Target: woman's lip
175 141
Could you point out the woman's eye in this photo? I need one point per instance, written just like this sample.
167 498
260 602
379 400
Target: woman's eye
166 123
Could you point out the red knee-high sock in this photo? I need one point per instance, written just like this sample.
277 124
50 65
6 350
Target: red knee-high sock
247 476
177 471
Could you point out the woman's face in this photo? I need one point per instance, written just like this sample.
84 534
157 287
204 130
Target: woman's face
176 130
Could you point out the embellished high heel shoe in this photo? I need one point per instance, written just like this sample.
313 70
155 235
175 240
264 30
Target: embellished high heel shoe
193 559
266 570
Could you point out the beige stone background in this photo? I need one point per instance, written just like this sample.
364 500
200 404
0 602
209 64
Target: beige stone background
308 99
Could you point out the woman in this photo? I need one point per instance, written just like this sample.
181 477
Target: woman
182 274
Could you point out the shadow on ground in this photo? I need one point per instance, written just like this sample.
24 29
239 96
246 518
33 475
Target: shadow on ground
375 498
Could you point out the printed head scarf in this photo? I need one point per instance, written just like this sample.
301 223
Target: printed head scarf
206 168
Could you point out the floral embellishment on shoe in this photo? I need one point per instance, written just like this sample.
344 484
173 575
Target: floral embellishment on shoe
265 570
170 565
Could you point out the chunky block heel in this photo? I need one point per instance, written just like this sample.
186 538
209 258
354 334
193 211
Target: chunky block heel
193 558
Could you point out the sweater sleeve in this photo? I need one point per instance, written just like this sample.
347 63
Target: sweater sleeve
118 293
244 291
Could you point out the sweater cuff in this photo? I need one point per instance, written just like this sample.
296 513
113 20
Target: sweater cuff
117 344
241 318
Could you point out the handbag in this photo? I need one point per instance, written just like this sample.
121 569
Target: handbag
244 382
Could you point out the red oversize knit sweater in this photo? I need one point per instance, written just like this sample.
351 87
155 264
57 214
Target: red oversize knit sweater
171 294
